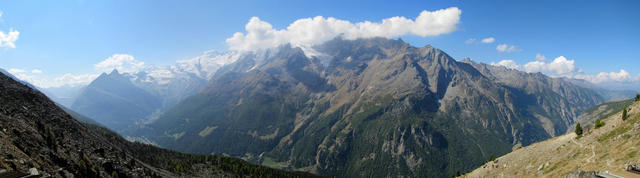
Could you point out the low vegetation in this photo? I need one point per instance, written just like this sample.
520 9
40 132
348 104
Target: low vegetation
599 123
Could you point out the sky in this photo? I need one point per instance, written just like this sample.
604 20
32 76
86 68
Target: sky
55 43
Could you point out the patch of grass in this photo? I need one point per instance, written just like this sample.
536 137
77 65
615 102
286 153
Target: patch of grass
632 154
603 155
272 164
620 130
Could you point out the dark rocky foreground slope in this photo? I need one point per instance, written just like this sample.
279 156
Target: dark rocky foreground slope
369 108
35 134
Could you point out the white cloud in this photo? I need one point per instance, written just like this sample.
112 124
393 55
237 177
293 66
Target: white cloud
16 71
622 76
64 80
562 67
488 40
36 71
507 48
73 80
540 57
508 64
8 39
309 31
559 66
122 62
470 41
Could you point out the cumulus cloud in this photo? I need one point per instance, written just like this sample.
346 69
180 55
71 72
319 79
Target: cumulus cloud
621 76
488 40
121 62
309 31
559 66
8 40
36 71
507 48
470 41
508 64
563 67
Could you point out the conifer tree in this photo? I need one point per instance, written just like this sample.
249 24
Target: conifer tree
578 129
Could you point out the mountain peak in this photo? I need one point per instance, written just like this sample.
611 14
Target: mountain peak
114 72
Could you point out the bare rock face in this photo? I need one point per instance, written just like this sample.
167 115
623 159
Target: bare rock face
417 110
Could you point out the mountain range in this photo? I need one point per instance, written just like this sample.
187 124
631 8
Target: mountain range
349 108
124 100
368 108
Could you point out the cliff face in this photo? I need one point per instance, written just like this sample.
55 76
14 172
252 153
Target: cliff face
369 107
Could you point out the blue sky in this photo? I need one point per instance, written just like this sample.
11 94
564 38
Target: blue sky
61 37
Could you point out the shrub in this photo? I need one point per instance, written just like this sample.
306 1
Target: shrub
638 97
624 114
599 123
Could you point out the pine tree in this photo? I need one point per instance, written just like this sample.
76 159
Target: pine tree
578 129
624 114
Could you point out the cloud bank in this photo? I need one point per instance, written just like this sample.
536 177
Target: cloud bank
563 67
310 31
65 80
622 76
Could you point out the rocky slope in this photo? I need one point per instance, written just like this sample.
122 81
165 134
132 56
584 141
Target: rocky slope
38 137
609 148
368 108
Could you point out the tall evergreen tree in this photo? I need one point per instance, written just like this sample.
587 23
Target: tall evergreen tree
578 129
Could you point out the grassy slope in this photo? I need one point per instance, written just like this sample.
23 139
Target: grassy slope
601 111
607 148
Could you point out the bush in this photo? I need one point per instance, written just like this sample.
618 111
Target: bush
578 129
599 123
638 97
492 158
624 114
